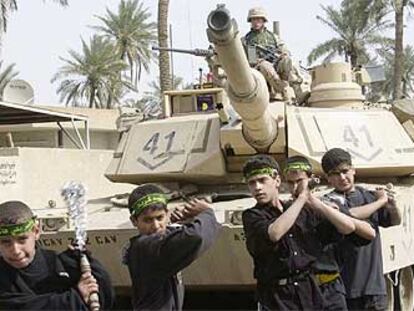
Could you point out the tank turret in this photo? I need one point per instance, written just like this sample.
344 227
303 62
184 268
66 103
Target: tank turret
245 86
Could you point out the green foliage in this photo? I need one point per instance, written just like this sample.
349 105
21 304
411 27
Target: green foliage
6 76
387 56
150 104
6 6
132 34
93 75
356 31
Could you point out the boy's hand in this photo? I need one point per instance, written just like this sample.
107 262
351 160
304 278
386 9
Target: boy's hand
381 195
303 188
195 207
389 190
177 215
87 285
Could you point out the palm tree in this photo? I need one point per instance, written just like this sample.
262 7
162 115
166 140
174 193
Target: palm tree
93 76
399 58
6 6
6 76
132 35
355 34
376 7
387 54
150 104
164 60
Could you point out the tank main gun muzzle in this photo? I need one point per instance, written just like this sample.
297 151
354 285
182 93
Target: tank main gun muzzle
219 19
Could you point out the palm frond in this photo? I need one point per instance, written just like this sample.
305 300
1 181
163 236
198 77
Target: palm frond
132 34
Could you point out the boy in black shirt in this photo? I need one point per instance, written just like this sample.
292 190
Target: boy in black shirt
326 267
36 279
282 237
159 252
362 266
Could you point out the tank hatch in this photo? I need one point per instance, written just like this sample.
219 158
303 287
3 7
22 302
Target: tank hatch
376 140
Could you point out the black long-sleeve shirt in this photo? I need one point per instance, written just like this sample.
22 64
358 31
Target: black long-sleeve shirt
154 261
51 284
362 266
292 255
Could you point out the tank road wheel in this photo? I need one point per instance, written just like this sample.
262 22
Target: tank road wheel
390 293
405 289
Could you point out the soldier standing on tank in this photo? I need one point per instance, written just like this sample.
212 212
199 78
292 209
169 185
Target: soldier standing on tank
286 75
282 236
326 267
159 252
362 266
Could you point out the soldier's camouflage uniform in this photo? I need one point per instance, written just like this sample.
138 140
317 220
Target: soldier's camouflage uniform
285 74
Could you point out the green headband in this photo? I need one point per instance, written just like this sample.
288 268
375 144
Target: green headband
261 171
146 201
15 230
298 166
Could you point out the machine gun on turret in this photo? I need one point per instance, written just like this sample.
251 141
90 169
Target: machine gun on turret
196 52
215 77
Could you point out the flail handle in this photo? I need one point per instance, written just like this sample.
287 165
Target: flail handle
85 266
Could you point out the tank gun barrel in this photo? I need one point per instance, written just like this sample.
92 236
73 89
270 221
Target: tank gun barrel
195 52
245 86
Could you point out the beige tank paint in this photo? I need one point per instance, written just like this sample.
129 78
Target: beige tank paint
331 73
398 241
333 85
403 109
232 136
183 149
376 151
181 102
36 175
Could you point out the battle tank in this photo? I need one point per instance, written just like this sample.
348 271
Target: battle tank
206 135
201 145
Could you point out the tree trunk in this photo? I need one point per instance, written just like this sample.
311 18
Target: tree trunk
354 60
164 60
399 51
92 98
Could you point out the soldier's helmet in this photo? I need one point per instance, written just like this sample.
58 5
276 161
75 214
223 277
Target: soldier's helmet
256 12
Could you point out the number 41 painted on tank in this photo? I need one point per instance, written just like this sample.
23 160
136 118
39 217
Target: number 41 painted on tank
359 142
158 147
152 143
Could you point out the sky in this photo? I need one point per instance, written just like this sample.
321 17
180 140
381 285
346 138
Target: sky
41 32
